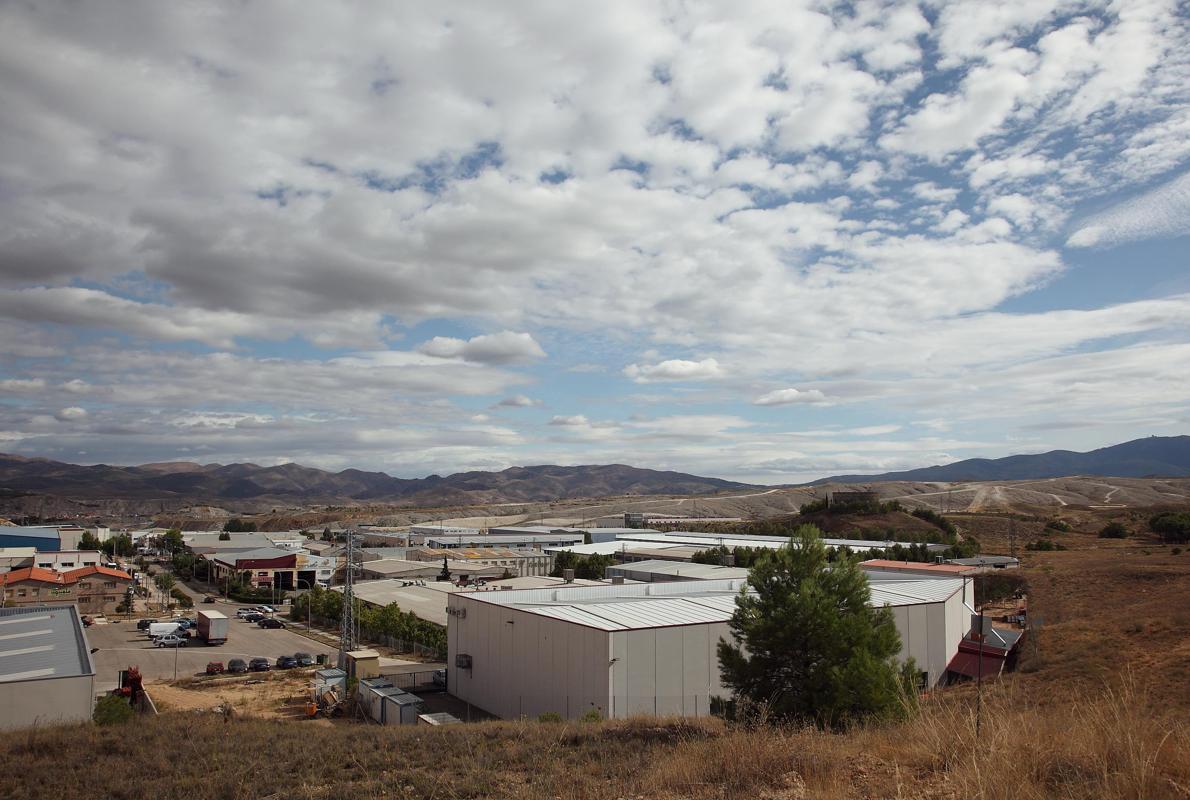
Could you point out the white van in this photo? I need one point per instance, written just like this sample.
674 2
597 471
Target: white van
162 629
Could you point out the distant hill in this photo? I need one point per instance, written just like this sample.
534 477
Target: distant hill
215 483
1163 456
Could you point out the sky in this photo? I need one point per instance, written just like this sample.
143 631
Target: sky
761 241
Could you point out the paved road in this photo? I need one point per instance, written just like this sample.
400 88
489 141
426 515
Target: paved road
121 645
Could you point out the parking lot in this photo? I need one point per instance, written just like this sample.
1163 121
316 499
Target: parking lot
121 645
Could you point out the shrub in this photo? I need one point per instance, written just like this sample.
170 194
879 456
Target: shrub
183 599
1113 530
1044 544
1177 551
591 715
112 710
1058 525
550 716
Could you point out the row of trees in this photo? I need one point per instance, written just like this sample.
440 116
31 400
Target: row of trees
1172 526
326 607
587 567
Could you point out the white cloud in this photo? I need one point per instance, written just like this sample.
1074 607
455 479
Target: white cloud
784 397
15 385
518 401
1163 211
71 414
506 347
675 370
575 420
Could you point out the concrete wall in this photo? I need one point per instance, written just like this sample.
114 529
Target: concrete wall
46 702
666 670
524 664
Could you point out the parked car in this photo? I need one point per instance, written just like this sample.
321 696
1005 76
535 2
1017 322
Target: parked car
237 665
143 624
286 662
259 665
170 640
208 599
243 612
254 616
266 609
215 668
185 624
269 622
304 659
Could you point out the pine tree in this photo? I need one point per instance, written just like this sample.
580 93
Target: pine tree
807 644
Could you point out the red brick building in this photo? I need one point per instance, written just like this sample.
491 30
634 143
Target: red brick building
95 590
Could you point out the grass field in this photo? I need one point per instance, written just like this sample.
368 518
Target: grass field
1100 709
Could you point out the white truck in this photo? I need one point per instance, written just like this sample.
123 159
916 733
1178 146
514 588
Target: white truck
162 628
212 627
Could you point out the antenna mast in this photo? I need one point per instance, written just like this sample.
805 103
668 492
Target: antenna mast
347 637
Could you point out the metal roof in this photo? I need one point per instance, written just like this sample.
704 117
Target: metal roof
39 642
651 540
677 569
497 538
663 605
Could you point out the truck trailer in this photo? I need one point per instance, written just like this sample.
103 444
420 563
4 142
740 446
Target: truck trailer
212 627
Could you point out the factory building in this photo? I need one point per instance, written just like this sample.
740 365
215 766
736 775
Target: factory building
643 648
517 541
46 674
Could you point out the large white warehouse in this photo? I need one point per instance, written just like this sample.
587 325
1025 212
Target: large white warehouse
643 648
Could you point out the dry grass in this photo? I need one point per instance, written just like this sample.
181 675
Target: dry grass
1114 744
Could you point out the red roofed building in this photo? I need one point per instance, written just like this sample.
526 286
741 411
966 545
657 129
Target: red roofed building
95 590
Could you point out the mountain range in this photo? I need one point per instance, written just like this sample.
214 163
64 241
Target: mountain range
222 483
1155 456
237 484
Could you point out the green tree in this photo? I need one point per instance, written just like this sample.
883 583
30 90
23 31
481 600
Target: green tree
119 545
172 542
808 644
225 536
89 541
112 710
1113 530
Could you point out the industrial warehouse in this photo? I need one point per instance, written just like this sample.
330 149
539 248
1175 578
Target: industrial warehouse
649 648
46 675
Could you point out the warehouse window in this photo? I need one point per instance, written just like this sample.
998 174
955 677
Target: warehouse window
84 585
84 599
109 584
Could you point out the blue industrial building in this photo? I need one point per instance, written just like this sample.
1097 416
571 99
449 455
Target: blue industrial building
45 539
